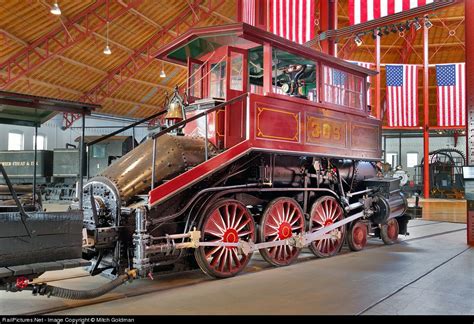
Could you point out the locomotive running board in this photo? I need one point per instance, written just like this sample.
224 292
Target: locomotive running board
190 177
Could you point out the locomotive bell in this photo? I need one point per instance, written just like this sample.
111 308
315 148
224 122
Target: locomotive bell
176 111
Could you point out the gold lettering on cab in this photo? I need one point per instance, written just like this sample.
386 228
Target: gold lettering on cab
325 131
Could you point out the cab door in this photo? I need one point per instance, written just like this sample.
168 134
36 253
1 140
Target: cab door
237 83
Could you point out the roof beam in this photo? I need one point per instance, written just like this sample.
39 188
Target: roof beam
59 39
79 93
218 15
143 56
88 67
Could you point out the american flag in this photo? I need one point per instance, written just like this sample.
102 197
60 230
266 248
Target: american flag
368 80
450 82
335 85
365 10
402 95
293 19
248 12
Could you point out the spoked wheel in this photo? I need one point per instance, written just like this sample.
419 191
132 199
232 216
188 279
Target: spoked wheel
227 221
282 218
357 236
326 211
389 232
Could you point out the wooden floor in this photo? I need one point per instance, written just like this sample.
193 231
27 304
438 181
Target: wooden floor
444 210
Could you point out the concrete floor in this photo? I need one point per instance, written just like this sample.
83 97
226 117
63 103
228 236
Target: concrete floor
429 272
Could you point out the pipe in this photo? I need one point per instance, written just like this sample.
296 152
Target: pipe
83 294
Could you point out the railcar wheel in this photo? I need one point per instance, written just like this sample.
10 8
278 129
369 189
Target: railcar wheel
227 221
389 232
326 211
282 218
357 236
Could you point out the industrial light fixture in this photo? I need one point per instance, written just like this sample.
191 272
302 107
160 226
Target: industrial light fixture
416 23
358 40
55 9
407 25
107 50
428 23
400 28
162 73
386 31
394 29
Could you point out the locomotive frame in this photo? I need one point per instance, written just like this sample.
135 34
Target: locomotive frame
254 169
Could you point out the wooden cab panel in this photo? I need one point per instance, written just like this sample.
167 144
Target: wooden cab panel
278 123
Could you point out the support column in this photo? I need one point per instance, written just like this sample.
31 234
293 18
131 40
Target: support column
328 21
426 114
81 161
469 41
35 143
267 68
378 78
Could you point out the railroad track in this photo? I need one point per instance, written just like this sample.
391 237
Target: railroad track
195 277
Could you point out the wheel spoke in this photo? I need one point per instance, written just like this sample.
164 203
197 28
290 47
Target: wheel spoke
245 233
243 225
216 258
236 258
214 233
214 250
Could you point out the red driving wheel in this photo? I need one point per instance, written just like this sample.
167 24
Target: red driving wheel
326 211
229 221
282 218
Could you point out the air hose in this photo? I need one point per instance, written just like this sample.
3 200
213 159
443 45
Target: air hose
45 289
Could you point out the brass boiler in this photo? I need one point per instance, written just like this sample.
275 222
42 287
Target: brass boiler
131 174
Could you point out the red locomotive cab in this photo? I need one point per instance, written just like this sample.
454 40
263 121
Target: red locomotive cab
298 99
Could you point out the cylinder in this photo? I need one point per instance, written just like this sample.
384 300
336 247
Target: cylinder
387 208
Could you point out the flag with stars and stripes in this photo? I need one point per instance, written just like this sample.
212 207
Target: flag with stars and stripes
450 84
402 95
361 11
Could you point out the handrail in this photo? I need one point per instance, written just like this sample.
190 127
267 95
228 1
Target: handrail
204 113
184 122
100 139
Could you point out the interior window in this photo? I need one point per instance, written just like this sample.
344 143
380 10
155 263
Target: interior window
236 71
15 141
342 88
294 75
392 159
195 81
217 82
256 70
412 160
41 142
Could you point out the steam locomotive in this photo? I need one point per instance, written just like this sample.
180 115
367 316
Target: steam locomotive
271 150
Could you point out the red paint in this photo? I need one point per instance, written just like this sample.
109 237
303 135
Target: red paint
21 282
426 112
190 177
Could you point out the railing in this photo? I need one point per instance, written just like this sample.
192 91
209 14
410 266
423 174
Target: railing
182 124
